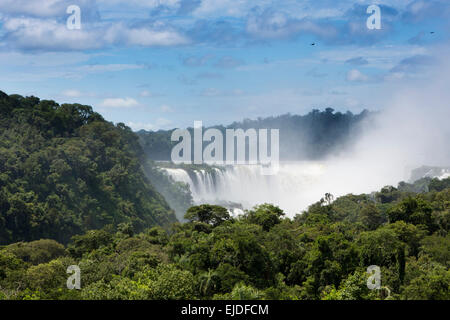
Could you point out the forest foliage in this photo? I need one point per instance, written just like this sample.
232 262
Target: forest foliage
77 190
322 253
302 137
64 170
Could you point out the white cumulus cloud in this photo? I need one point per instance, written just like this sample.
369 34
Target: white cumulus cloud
119 103
356 75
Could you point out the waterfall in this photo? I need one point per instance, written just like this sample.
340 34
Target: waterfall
296 185
244 185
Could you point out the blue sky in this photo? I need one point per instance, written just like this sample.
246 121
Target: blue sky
158 64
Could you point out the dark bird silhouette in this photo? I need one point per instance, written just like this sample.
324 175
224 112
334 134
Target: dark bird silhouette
313 44
432 32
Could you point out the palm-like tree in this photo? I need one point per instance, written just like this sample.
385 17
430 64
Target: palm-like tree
207 281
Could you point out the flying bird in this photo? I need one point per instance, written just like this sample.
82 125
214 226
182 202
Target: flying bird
313 44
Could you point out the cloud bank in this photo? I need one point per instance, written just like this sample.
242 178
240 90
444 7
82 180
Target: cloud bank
40 24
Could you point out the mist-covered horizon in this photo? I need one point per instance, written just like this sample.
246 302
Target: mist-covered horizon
412 131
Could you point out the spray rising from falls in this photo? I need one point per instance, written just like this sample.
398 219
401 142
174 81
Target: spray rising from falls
411 131
296 185
243 186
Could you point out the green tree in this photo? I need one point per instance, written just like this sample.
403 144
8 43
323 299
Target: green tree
412 210
265 215
209 214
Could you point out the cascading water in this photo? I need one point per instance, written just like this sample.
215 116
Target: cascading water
245 185
296 185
